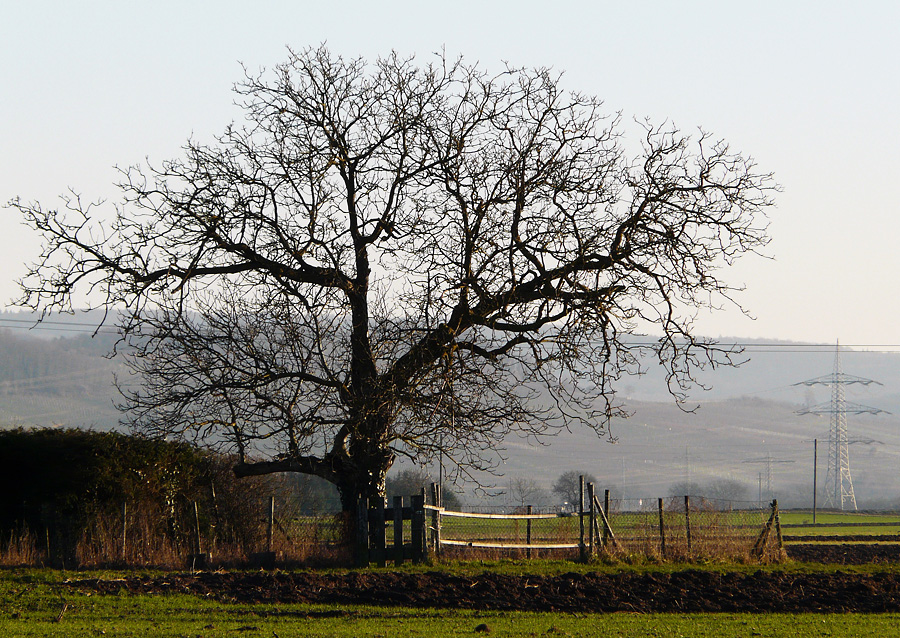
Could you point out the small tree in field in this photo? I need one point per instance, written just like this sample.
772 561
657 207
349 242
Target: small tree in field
524 491
568 486
391 258
411 481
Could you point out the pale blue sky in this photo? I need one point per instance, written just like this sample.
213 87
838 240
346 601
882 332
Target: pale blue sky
809 89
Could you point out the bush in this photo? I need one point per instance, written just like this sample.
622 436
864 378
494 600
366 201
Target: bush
67 487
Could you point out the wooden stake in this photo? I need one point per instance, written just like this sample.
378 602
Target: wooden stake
398 530
362 532
662 530
197 529
437 499
417 531
124 530
607 528
605 516
593 519
777 517
528 532
687 520
271 526
378 536
581 546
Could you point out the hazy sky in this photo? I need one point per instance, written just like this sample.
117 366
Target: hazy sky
809 89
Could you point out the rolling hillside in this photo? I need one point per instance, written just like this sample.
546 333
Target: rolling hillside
747 416
56 377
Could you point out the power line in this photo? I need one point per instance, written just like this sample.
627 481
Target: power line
57 326
752 347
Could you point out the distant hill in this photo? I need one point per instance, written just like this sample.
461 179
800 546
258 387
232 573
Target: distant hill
59 375
660 445
748 415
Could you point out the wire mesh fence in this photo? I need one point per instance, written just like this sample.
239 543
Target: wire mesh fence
672 528
136 539
668 529
308 539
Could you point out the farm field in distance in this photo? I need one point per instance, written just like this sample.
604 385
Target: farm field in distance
846 527
804 517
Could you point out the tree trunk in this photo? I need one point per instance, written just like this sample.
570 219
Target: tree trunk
352 486
370 484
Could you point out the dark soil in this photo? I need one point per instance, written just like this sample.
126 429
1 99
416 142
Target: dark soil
869 538
844 554
686 591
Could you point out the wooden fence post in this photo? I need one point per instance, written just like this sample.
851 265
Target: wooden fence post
271 525
398 530
662 531
377 531
216 525
607 532
528 511
267 558
605 539
424 524
199 560
417 530
777 524
687 520
124 531
581 547
197 530
593 519
437 500
759 547
362 532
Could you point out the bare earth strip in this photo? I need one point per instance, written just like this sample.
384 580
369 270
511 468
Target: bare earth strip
687 591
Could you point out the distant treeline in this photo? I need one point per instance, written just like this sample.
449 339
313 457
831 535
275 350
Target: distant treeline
53 366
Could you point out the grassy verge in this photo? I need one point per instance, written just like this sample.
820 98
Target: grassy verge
33 604
839 524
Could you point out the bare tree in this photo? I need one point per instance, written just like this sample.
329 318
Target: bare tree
567 487
388 258
526 491
723 490
411 481
727 489
687 488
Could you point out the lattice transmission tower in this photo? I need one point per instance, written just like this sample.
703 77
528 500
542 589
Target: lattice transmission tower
838 482
768 460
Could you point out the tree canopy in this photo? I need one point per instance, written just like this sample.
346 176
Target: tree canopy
399 258
568 486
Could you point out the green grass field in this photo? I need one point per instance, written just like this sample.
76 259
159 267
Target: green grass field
828 518
34 604
840 524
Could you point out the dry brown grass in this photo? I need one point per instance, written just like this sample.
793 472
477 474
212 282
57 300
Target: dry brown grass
21 549
148 543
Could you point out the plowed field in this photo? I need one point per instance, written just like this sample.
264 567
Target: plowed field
686 591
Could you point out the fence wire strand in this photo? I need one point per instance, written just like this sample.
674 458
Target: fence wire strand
707 528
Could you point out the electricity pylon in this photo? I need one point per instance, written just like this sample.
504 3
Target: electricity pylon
768 460
838 483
